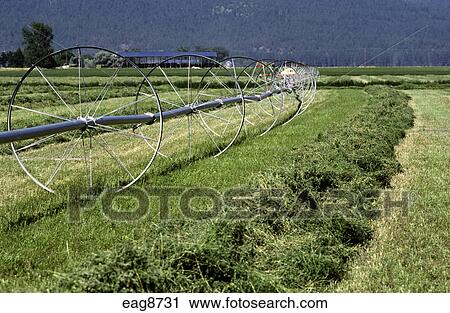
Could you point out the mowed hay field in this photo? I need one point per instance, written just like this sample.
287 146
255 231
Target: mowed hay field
410 251
321 150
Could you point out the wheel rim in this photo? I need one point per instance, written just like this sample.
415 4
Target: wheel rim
198 80
255 78
89 154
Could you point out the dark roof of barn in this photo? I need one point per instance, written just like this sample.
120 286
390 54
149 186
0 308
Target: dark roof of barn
149 54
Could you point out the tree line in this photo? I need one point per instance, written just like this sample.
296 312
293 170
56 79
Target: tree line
12 58
38 44
38 40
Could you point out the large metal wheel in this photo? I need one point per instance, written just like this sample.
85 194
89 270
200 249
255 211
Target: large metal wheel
312 75
300 82
96 155
256 77
185 82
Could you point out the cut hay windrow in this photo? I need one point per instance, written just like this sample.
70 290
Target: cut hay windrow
287 246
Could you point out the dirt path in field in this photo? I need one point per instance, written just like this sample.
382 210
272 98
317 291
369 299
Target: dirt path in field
410 250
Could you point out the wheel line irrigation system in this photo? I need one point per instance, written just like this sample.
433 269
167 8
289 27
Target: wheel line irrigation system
213 104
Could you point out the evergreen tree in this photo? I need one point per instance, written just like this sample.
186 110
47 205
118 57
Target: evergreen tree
3 59
38 44
17 59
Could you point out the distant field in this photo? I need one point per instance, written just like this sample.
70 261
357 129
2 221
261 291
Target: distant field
397 81
326 71
375 71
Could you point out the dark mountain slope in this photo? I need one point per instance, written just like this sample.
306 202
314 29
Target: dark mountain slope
320 31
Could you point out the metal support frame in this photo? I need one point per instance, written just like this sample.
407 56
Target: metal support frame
257 83
149 118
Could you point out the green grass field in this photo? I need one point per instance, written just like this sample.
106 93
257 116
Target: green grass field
232 169
410 252
329 71
42 250
377 71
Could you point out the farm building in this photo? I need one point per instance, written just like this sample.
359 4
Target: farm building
149 59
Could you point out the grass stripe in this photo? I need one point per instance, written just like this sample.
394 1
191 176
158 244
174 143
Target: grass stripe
410 253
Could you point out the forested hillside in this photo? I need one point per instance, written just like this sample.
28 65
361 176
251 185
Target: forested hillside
322 32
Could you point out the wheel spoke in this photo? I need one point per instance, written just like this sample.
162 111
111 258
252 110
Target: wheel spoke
90 159
40 141
222 83
172 131
123 132
229 122
209 95
248 121
260 86
123 107
234 69
207 132
149 145
213 116
86 165
190 135
207 126
171 85
105 90
100 95
257 115
252 79
79 79
55 90
127 134
248 81
189 80
173 104
67 152
113 155
40 112
200 92
264 110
